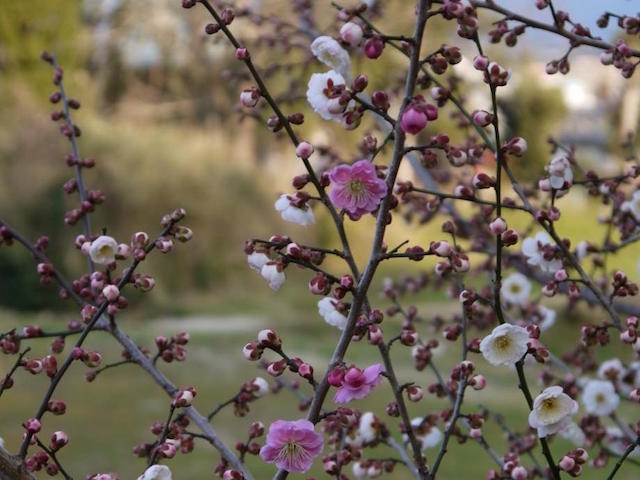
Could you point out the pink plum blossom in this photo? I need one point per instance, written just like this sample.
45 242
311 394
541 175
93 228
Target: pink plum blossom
356 188
357 384
292 445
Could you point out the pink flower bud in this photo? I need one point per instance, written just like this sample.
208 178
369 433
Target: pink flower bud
184 398
269 338
32 425
413 120
373 47
305 370
375 335
481 181
516 146
634 395
567 463
275 369
408 337
58 440
519 473
440 248
482 118
252 351
242 53
336 377
319 284
475 433
510 237
351 33
249 97
414 393
498 226
478 382
111 293
304 150
480 62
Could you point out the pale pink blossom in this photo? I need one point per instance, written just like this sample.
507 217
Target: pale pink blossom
356 188
292 445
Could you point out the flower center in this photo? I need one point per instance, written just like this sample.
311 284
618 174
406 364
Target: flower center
548 405
105 250
503 343
291 449
515 288
356 187
600 398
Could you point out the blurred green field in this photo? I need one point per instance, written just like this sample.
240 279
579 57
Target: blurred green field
107 417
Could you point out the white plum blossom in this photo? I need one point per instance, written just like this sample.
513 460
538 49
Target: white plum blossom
574 434
533 248
317 97
611 369
560 173
156 472
328 311
103 250
366 430
257 260
547 317
633 205
617 442
552 411
1 442
331 53
516 289
599 397
505 345
430 439
359 471
273 274
291 213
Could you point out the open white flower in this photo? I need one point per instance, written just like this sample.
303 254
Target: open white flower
533 248
273 274
103 250
617 442
552 411
560 173
611 369
599 397
574 434
156 472
547 317
516 289
257 260
429 439
366 429
331 53
291 213
505 345
328 311
317 93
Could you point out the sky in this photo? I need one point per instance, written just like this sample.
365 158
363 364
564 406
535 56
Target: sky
583 11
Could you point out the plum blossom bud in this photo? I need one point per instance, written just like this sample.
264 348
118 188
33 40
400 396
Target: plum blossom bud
184 398
319 284
249 97
510 237
478 382
351 33
111 293
481 181
519 473
482 118
375 335
475 433
560 275
252 351
516 146
567 463
414 393
275 369
408 337
413 120
480 62
58 440
145 283
373 47
33 366
304 150
305 370
634 395
32 425
123 251
269 338
242 53
498 226
440 248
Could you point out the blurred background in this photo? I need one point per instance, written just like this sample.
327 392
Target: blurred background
160 116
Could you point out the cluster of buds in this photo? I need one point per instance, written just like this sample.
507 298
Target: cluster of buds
170 349
41 461
510 35
168 442
572 462
443 57
511 468
90 359
591 335
620 57
422 354
622 286
464 14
